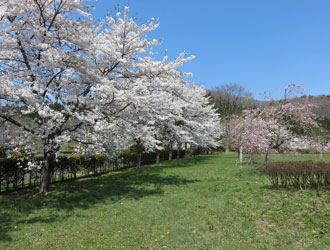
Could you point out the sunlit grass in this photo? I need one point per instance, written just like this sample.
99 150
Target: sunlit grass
204 202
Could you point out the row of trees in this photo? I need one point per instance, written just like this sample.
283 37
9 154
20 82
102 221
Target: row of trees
65 78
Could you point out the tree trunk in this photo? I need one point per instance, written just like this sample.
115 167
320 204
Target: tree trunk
170 151
139 160
191 150
139 153
185 149
178 151
266 157
157 157
227 146
251 161
241 155
49 158
30 179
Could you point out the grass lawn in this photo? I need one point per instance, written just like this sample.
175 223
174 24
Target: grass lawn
204 202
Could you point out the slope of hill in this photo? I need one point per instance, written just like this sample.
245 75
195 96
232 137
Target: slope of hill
323 105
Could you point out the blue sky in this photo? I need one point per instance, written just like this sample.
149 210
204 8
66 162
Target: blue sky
262 45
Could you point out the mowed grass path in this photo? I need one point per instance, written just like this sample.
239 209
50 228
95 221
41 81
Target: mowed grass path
204 202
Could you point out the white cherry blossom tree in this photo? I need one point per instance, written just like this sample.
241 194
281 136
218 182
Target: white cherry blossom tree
64 78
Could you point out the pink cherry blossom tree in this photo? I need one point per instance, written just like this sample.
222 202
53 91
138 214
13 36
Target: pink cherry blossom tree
275 128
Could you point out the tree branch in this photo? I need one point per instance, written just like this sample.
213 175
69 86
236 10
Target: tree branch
16 123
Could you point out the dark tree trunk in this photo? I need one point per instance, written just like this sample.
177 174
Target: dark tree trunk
157 156
139 153
49 158
185 149
30 179
267 156
178 151
23 180
139 160
170 151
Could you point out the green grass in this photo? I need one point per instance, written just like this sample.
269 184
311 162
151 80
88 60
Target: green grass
204 202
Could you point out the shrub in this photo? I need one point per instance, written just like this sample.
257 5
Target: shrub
2 152
11 172
303 174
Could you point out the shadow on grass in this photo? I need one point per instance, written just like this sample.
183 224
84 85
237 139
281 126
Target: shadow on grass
251 171
85 193
184 163
5 226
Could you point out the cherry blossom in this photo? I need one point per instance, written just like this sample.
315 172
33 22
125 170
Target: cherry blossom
64 78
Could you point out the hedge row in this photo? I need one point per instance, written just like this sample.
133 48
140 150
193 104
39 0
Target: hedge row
129 157
16 174
303 174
